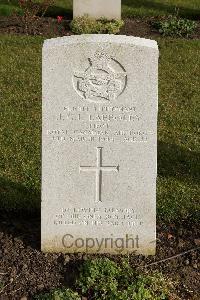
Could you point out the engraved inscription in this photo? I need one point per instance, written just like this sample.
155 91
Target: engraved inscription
96 124
104 80
98 216
98 169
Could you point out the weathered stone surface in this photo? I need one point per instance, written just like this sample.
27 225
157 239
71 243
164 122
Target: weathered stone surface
99 144
110 9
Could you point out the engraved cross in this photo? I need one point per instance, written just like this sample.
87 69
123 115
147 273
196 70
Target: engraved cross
98 169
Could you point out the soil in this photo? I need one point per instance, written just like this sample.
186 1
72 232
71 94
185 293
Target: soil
25 271
50 27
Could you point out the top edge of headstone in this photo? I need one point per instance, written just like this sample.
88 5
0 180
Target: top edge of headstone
100 38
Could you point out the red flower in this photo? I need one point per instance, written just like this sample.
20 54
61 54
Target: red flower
59 19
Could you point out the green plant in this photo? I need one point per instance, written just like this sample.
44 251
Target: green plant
1 286
88 25
59 294
31 12
99 276
175 26
104 279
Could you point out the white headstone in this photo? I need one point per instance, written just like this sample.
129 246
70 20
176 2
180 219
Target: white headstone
110 9
99 144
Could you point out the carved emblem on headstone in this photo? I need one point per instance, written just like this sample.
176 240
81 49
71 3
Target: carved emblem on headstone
104 80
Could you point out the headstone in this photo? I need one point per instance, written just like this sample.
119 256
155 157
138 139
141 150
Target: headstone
110 9
99 144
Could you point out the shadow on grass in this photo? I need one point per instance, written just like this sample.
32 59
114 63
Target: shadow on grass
175 161
20 212
15 196
22 225
54 11
10 2
162 7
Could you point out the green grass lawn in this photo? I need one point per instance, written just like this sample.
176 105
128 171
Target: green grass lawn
186 8
130 8
20 129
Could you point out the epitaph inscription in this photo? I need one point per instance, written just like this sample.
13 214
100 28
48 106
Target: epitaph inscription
93 216
99 141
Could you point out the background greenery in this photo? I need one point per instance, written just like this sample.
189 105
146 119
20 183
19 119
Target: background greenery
130 8
20 128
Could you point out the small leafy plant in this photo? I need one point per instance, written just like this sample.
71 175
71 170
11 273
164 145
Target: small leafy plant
103 279
88 25
59 294
175 26
31 12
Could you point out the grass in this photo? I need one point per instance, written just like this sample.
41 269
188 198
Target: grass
142 8
20 68
130 8
178 147
7 8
